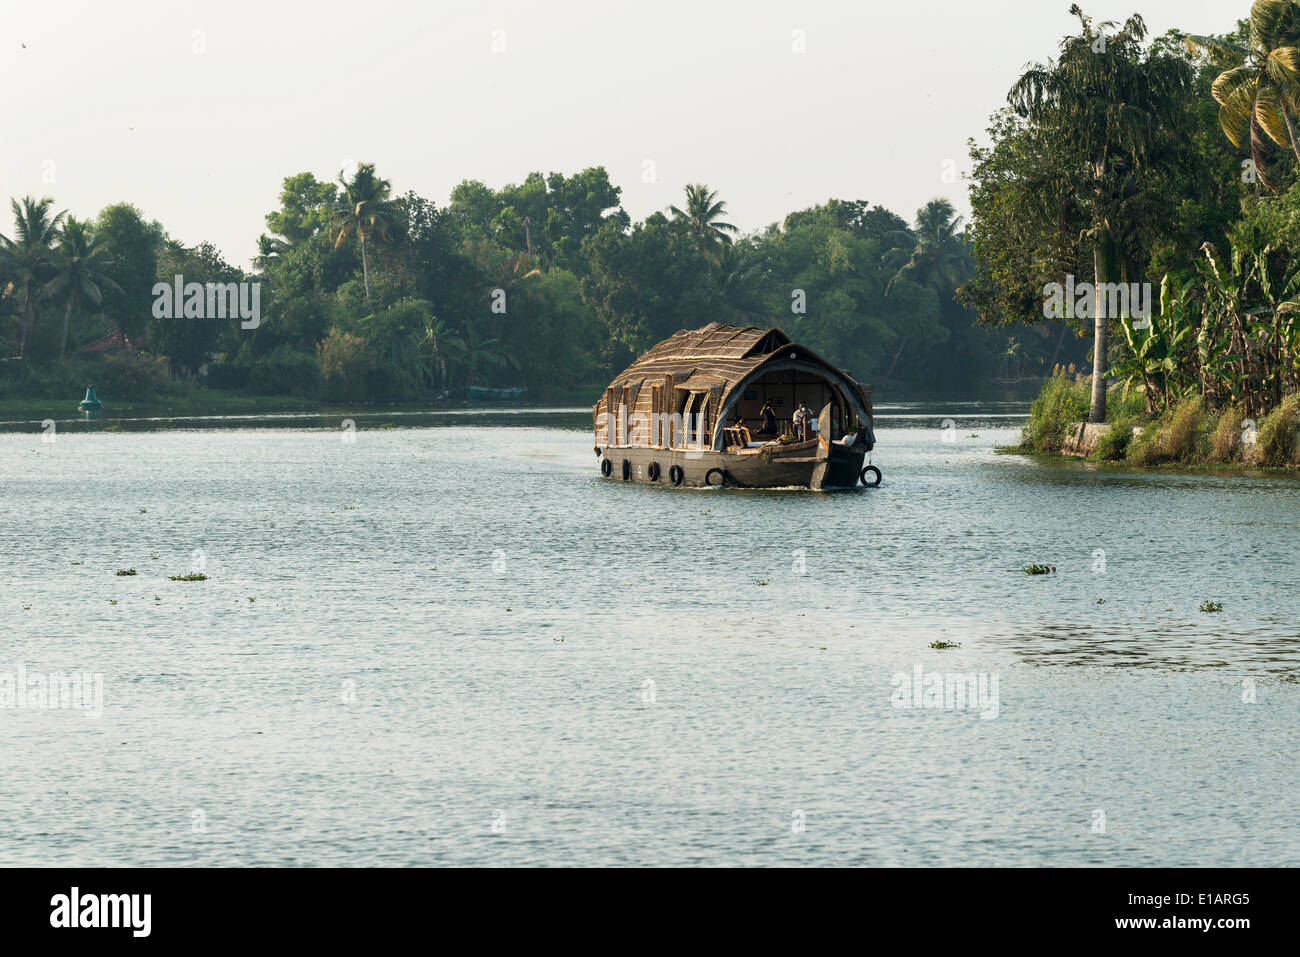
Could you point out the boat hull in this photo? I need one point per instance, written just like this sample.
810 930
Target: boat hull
811 465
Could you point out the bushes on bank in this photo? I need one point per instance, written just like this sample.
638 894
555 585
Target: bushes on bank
282 371
1063 402
1114 442
131 376
1275 442
1171 438
1225 437
1189 433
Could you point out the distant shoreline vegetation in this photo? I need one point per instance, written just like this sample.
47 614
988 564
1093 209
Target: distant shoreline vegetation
366 296
1129 162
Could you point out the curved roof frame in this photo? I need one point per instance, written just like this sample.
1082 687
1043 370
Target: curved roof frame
796 358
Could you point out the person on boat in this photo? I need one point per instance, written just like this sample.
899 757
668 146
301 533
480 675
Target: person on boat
769 420
802 420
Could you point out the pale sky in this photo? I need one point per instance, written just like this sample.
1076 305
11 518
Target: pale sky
196 111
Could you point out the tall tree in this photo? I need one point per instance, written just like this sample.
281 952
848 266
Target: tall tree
82 258
1113 98
366 209
939 259
133 244
703 217
29 255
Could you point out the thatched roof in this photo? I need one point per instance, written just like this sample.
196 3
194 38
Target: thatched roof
114 343
717 358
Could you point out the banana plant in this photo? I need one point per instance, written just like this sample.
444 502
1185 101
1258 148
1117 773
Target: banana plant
1159 348
1275 329
1222 345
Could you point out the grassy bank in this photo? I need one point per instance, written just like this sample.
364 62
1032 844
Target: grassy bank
1188 434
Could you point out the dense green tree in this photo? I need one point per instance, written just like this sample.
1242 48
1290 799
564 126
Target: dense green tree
133 245
650 282
188 343
307 207
1117 99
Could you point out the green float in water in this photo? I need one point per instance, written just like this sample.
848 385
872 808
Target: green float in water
90 406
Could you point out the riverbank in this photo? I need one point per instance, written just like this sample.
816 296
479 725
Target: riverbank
198 401
201 402
1188 435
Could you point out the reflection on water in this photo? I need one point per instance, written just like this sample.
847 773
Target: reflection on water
635 674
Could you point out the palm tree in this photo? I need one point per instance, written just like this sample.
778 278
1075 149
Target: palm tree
1114 99
269 251
1258 96
81 259
484 352
442 348
29 255
364 208
703 216
939 257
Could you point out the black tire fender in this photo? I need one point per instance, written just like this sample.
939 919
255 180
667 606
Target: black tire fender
676 474
862 477
606 467
653 471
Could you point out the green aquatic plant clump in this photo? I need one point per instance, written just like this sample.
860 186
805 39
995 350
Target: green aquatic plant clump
945 644
121 572
1211 606
191 577
1039 569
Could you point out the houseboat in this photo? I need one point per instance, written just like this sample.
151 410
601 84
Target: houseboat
742 407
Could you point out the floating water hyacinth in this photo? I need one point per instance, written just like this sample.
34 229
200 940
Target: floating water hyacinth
945 644
1211 606
125 571
191 577
1040 569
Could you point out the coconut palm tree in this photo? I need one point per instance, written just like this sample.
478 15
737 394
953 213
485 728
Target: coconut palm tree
81 259
939 258
1259 95
703 216
1113 98
484 353
443 349
269 251
29 254
366 209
